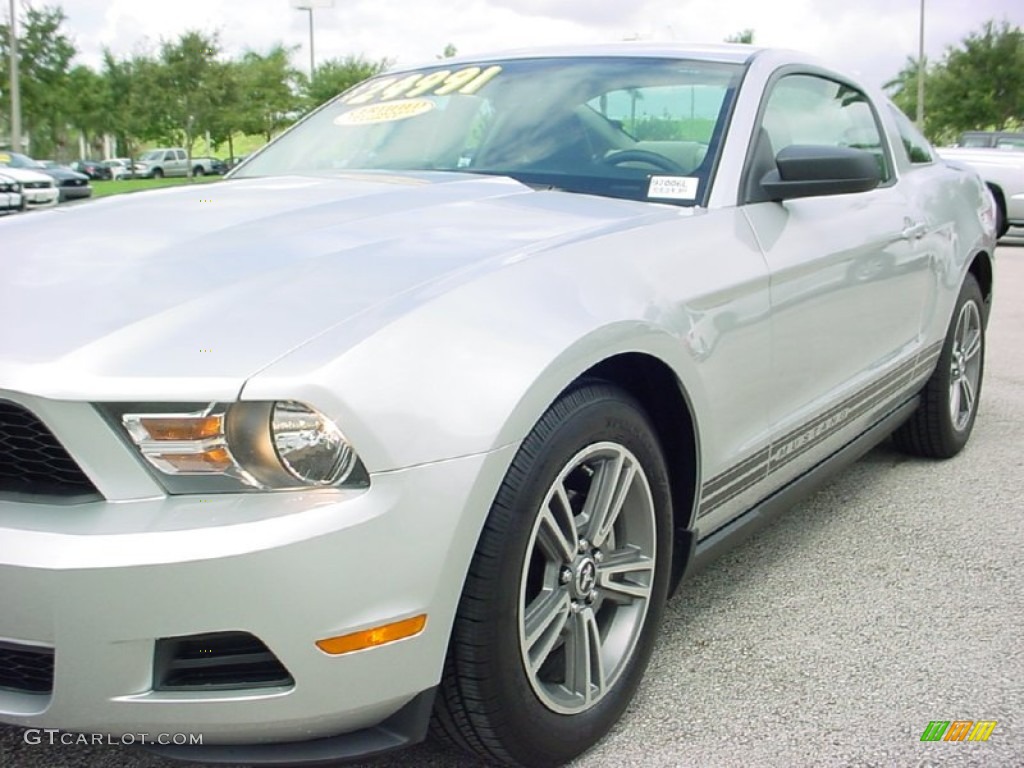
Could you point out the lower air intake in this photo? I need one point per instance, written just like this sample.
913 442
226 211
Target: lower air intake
217 661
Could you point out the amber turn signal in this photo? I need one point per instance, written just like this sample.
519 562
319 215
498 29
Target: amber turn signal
182 427
371 638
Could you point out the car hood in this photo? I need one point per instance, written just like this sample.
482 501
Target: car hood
23 174
64 174
204 285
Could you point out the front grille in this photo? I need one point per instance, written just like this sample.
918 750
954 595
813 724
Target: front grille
74 182
216 661
32 461
37 184
26 668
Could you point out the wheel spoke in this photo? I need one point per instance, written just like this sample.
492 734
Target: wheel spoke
544 623
972 345
626 576
613 481
557 533
966 397
584 668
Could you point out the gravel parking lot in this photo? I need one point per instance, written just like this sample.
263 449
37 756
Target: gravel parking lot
891 598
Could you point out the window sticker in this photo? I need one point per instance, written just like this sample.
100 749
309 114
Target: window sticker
386 112
673 188
444 82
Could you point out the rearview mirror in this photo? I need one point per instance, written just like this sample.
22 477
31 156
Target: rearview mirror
810 171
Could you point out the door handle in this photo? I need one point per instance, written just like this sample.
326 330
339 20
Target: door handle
914 232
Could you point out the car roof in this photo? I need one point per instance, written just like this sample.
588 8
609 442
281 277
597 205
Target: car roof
726 53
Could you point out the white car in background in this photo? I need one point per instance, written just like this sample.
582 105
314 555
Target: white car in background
120 167
11 200
38 190
1003 172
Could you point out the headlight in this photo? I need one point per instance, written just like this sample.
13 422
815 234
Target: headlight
242 446
309 445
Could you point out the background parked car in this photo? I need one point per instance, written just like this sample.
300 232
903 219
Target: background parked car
173 161
11 200
94 169
119 167
997 139
213 165
71 184
1003 172
38 190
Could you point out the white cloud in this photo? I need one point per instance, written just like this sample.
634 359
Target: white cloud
872 37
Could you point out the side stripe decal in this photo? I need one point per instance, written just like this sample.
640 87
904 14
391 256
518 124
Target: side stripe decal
745 474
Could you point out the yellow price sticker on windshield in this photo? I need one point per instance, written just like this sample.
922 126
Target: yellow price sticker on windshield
444 82
385 112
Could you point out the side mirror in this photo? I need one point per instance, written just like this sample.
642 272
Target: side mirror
811 171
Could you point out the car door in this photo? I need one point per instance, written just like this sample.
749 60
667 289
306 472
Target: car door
848 280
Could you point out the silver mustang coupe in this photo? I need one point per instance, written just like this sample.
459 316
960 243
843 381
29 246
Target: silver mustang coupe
420 416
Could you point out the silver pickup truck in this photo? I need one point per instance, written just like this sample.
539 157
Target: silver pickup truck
173 161
1003 172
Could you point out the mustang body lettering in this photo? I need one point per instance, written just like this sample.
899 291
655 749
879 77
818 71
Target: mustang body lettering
418 417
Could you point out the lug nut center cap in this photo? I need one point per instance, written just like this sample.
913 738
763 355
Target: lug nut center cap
584 577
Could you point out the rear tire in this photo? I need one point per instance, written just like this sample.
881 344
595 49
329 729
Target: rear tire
566 589
198 171
942 424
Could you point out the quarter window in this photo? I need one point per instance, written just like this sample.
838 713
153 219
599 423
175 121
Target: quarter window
916 146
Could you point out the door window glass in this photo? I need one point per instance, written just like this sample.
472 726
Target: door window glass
812 110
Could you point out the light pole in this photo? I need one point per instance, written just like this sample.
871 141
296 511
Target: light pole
15 85
920 72
308 6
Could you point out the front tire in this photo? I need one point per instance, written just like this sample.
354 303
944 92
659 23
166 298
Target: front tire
942 424
158 173
566 589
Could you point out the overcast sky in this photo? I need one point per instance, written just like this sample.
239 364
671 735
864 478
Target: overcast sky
871 38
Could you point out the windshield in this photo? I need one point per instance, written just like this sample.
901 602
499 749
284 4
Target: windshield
153 154
16 160
644 129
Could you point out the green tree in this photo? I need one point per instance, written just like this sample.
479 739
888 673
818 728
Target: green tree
132 98
44 63
88 103
903 91
746 36
187 81
270 91
227 119
978 84
981 83
337 75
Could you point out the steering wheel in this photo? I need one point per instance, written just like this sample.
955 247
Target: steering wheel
660 162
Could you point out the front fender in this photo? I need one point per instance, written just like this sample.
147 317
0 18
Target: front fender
469 372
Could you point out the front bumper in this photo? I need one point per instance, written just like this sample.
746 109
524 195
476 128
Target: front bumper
40 197
75 193
101 582
10 202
